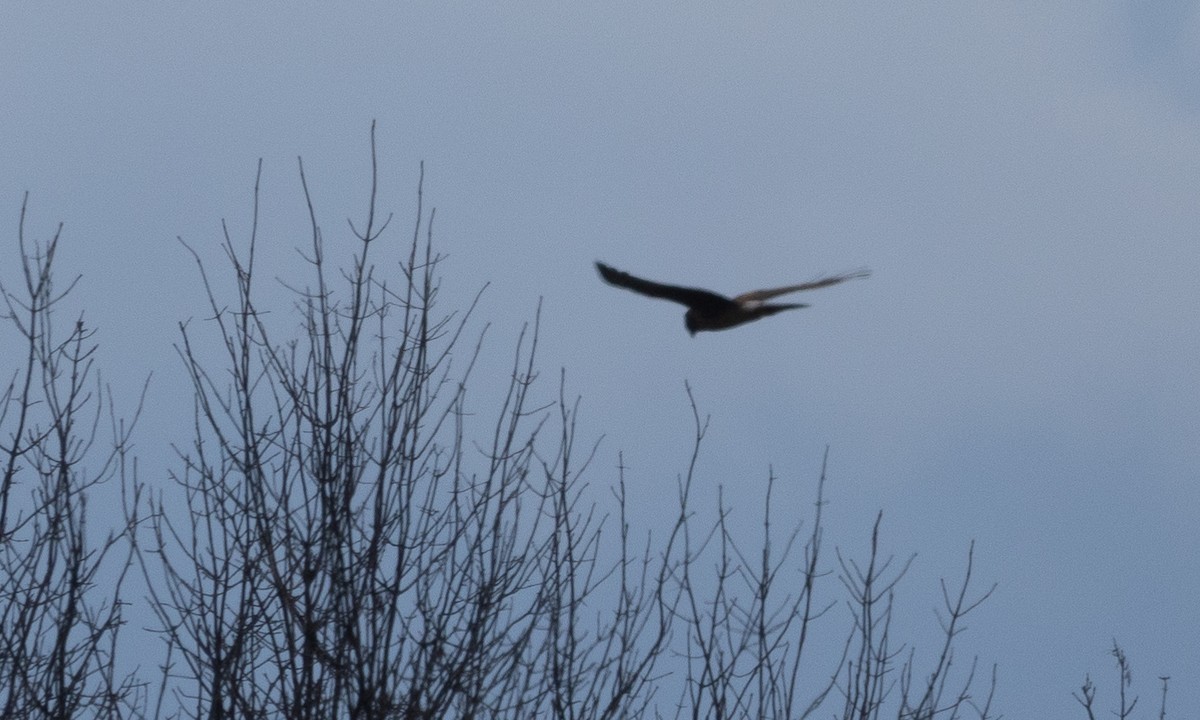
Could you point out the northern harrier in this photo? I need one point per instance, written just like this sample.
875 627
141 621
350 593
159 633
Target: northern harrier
710 311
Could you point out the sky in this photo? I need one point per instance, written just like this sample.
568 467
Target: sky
1023 179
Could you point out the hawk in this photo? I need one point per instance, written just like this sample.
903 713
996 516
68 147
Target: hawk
709 311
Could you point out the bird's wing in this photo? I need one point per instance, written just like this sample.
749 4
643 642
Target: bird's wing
811 285
702 300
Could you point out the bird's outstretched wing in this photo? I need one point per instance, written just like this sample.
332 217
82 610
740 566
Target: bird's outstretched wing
812 285
702 300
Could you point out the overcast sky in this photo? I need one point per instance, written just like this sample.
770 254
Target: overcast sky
1023 178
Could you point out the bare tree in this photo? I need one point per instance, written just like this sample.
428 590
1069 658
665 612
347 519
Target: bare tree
60 591
749 653
874 668
345 552
1086 697
336 545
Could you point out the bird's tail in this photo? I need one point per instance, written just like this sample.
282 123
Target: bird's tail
771 308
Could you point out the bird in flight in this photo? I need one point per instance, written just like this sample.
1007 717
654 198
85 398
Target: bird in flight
707 310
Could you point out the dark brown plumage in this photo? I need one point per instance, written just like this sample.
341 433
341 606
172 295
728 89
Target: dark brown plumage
710 311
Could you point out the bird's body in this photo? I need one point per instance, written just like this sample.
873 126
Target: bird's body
710 311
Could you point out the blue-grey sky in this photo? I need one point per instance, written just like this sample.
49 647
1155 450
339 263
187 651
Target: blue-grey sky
1023 178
